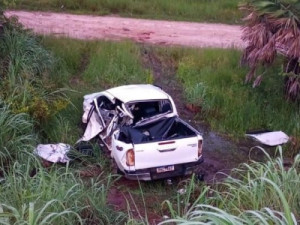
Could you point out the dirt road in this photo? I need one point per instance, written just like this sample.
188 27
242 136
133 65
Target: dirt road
140 30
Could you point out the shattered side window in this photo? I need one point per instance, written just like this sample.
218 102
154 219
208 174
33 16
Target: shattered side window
148 109
105 103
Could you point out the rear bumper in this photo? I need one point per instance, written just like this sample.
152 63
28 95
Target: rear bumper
151 174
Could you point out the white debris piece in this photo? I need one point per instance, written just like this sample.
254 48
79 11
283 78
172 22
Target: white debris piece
181 191
272 138
53 152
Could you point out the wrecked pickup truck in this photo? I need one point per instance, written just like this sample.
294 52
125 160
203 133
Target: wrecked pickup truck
140 126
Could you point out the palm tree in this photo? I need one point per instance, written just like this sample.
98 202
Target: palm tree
272 27
1 16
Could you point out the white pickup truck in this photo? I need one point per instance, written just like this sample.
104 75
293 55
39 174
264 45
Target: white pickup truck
139 124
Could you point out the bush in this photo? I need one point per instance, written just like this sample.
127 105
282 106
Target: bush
25 67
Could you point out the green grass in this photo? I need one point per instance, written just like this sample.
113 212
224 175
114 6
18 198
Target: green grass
16 136
223 11
214 81
256 193
55 196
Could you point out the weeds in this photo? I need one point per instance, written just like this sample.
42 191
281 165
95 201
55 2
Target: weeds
16 135
23 57
25 67
55 196
213 80
256 193
113 64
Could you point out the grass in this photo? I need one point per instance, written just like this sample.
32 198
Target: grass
16 136
256 193
214 81
211 78
30 193
223 11
56 196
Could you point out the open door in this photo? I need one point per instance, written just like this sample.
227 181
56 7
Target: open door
101 115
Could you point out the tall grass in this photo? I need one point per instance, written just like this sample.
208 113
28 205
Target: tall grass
191 10
56 196
25 68
255 193
16 136
213 80
22 56
113 64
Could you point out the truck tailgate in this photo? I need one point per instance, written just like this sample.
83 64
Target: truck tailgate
165 153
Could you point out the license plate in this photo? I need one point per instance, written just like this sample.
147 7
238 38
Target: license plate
164 169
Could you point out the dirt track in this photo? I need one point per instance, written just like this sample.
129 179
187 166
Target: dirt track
140 30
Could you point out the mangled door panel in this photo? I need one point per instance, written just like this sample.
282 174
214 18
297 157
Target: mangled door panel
99 114
105 115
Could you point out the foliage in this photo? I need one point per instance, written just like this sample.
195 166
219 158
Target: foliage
256 193
22 55
213 81
113 64
191 10
16 135
24 68
55 196
273 27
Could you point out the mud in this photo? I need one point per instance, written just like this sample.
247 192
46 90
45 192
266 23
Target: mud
88 27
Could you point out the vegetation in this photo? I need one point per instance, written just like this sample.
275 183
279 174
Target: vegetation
213 81
1 17
54 196
35 107
191 10
25 66
16 136
256 193
272 28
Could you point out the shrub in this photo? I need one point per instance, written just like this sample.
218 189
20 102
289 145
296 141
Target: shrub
25 67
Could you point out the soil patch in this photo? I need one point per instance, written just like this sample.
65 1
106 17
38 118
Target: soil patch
159 32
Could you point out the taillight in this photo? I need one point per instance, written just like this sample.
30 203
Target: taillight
130 157
199 148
